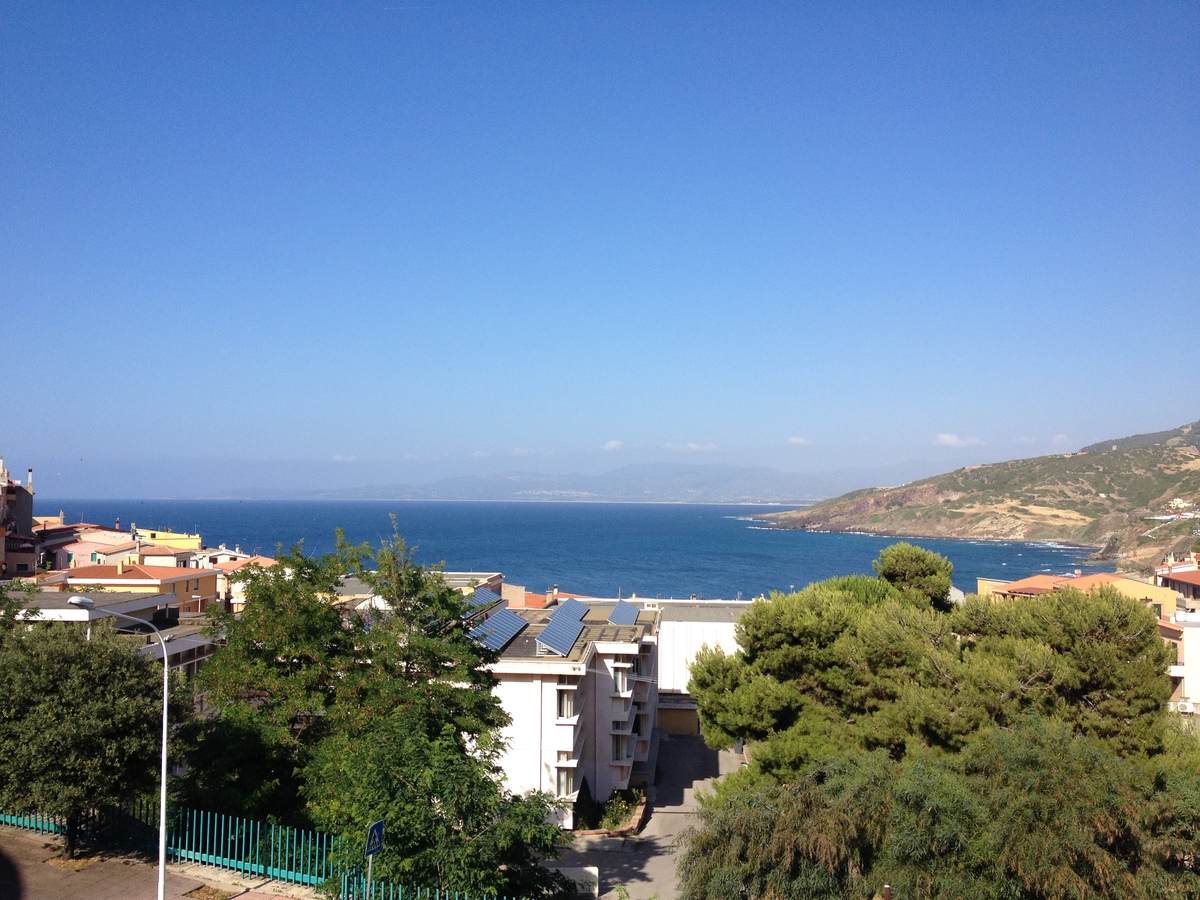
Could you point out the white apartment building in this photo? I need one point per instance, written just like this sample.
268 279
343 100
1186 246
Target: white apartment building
579 679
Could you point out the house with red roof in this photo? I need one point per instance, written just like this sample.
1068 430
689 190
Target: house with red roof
196 589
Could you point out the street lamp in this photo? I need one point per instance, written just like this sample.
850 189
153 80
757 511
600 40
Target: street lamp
89 604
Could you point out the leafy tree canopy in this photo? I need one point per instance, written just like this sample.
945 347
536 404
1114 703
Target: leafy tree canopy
914 568
998 749
80 721
338 721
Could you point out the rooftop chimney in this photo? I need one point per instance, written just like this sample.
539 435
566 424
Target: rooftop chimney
121 568
31 481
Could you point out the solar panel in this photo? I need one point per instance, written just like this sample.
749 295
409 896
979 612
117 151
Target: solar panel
500 628
569 609
483 597
623 614
560 633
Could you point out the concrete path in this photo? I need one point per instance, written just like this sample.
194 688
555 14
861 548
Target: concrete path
645 863
30 870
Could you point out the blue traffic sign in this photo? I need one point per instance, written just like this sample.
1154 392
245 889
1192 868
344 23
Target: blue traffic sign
375 838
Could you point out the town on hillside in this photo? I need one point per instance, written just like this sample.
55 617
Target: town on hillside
594 689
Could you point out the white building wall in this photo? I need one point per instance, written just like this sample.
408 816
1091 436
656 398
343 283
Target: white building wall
1189 662
678 643
523 698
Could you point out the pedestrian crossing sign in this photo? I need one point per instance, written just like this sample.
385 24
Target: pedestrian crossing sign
375 838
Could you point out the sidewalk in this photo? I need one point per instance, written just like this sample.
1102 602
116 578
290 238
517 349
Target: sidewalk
30 869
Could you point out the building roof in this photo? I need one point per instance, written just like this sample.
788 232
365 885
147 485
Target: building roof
1184 577
596 629
1034 584
1041 584
56 605
234 564
162 550
710 611
134 573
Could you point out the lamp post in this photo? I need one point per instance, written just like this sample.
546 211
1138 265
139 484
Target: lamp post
89 604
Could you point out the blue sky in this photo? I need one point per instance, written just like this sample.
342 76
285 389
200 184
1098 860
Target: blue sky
257 244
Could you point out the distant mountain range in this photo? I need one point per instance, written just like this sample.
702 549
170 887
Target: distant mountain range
1135 498
648 483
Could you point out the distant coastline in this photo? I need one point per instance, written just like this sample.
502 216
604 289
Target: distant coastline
598 548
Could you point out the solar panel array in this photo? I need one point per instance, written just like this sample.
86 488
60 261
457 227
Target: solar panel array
500 628
563 627
623 614
570 609
483 597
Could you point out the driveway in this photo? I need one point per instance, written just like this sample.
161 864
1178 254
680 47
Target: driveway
644 864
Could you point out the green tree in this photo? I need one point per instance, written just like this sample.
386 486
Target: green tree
914 568
416 744
389 715
80 722
12 601
1015 749
269 689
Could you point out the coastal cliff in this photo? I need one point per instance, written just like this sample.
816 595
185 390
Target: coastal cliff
1134 499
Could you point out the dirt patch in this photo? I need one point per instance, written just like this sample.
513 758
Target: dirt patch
204 892
73 865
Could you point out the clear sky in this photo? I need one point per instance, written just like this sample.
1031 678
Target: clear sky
355 243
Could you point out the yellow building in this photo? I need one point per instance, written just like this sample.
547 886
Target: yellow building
176 540
196 589
1161 600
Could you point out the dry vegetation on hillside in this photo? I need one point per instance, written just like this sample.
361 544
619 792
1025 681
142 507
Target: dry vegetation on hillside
1101 496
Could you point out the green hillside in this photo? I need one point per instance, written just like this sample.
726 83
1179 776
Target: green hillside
1101 496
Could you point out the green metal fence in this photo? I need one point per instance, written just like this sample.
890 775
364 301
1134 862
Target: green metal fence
292 855
354 887
34 822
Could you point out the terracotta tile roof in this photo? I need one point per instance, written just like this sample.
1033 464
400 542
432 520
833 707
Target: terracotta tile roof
234 564
1184 577
134 573
1034 584
160 550
1087 582
1168 629
62 526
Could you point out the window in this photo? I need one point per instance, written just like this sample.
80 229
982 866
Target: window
618 725
566 782
564 755
618 748
621 680
566 704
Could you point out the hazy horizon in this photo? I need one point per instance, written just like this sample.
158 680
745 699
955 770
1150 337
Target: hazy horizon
267 247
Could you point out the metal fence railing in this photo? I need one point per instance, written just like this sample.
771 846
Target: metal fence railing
246 846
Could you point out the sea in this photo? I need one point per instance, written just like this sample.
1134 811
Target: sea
597 549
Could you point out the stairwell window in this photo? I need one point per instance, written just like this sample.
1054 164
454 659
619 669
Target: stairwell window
566 782
566 704
618 748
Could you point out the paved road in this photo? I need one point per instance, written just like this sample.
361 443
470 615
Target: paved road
25 874
645 864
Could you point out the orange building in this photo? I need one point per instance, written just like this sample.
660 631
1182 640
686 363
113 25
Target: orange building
196 589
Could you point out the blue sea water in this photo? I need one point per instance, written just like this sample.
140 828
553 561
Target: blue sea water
602 549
